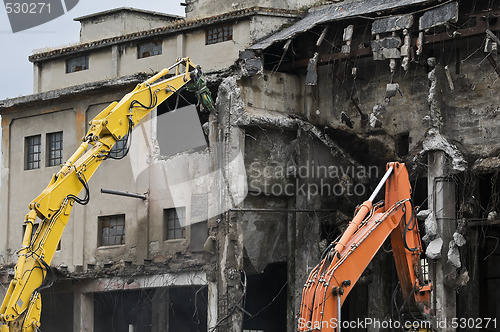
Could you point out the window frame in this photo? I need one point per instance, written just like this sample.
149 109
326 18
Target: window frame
54 161
177 215
76 69
36 163
101 234
156 48
218 34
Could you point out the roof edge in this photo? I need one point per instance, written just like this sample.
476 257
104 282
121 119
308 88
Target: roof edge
129 9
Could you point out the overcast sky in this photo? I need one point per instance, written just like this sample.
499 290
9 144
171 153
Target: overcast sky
15 69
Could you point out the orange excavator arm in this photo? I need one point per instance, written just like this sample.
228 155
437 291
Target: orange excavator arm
344 260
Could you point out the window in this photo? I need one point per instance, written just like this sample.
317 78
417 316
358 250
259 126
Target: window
173 220
33 148
148 49
54 148
78 63
112 230
120 148
219 34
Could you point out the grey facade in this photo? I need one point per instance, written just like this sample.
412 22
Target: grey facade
311 104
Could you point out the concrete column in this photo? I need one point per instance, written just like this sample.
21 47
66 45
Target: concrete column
181 42
160 310
83 312
37 77
115 57
4 193
212 305
442 202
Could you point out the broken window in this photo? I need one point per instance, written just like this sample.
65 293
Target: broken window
219 34
174 221
112 230
78 63
120 148
149 48
33 148
54 148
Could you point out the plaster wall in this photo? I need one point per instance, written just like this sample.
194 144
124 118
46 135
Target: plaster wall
118 24
52 74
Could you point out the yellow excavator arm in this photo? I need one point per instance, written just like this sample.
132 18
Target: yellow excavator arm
21 307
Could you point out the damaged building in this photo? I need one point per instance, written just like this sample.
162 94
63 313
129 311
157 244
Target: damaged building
231 210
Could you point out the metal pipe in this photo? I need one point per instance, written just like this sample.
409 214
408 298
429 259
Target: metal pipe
123 193
339 308
380 184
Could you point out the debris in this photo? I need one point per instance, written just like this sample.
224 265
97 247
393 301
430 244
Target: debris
423 214
386 48
454 255
486 165
447 13
434 249
250 64
463 279
346 49
448 77
391 90
420 43
459 239
321 37
312 73
345 119
392 23
434 141
375 116
430 227
493 215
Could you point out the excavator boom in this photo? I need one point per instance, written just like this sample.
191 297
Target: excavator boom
344 261
21 307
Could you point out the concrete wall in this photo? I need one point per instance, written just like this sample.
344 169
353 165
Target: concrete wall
135 173
119 23
204 8
52 74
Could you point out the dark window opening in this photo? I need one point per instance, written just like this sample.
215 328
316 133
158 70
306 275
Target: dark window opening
54 149
56 305
148 49
78 63
266 299
112 230
33 148
188 307
489 194
219 34
419 193
403 144
120 148
123 311
174 221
